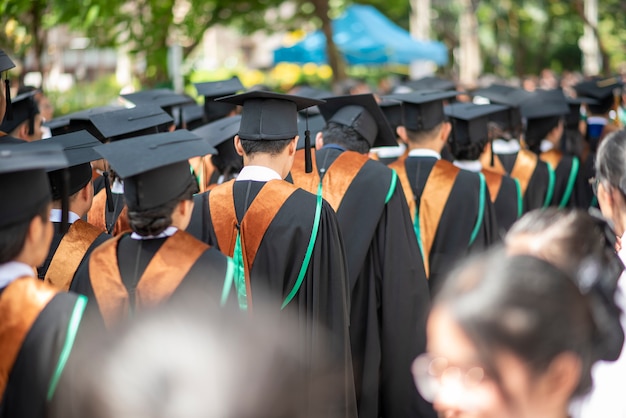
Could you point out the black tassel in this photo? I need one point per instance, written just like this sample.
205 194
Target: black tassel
492 162
308 163
107 189
31 125
7 92
65 200
182 124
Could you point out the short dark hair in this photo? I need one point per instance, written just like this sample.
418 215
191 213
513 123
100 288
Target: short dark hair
468 152
154 221
346 137
418 137
536 132
523 305
251 147
13 237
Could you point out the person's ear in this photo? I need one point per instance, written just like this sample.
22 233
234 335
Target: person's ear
319 141
401 131
238 146
444 133
185 207
561 379
23 130
293 145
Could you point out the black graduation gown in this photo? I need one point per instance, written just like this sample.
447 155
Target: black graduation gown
29 380
452 240
390 299
321 305
56 240
535 195
133 256
579 195
506 205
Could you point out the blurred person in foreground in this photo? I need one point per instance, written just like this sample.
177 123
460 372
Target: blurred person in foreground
513 336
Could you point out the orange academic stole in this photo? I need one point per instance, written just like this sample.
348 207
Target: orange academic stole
21 302
254 224
69 254
97 217
524 167
164 273
494 183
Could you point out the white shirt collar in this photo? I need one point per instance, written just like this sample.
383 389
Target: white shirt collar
475 166
500 146
258 173
546 145
389 152
117 187
169 231
423 152
55 216
14 270
597 120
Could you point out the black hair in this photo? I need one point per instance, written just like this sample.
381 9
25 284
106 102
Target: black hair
468 152
418 137
13 237
154 221
227 161
538 129
603 107
251 147
346 137
522 305
611 161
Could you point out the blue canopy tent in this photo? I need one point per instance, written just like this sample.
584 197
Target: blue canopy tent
364 36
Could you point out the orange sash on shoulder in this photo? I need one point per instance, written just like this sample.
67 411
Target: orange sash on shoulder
21 302
337 179
96 215
69 254
164 273
254 224
400 168
485 160
302 179
552 157
524 167
494 183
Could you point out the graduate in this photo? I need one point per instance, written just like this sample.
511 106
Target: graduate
389 291
158 260
38 323
451 209
71 248
545 112
5 98
285 242
226 164
470 136
109 212
25 123
507 155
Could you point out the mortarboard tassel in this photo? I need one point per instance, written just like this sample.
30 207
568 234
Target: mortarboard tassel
308 163
491 162
31 125
7 94
107 188
65 200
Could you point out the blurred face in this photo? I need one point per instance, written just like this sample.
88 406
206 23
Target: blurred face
452 377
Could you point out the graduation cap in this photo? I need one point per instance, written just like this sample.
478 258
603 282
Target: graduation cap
430 83
79 151
508 96
214 89
392 109
166 99
193 116
542 110
268 116
5 65
361 113
79 121
605 91
573 117
314 124
220 134
127 123
155 168
422 110
24 109
470 121
24 184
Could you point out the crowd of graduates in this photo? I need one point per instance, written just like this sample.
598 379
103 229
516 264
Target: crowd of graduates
427 251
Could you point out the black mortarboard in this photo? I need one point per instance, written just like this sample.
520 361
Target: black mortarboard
79 151
193 116
155 168
5 65
127 123
214 89
470 121
268 116
24 184
601 89
573 118
24 109
392 109
430 83
79 121
312 93
422 110
220 134
166 99
544 103
508 96
361 113
315 123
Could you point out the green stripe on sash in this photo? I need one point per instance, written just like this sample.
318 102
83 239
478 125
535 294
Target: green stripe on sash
392 187
550 191
228 280
570 182
520 198
481 210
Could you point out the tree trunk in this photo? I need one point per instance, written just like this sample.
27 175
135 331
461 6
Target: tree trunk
38 33
469 65
335 60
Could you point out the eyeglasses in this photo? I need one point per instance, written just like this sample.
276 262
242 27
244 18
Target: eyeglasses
432 374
